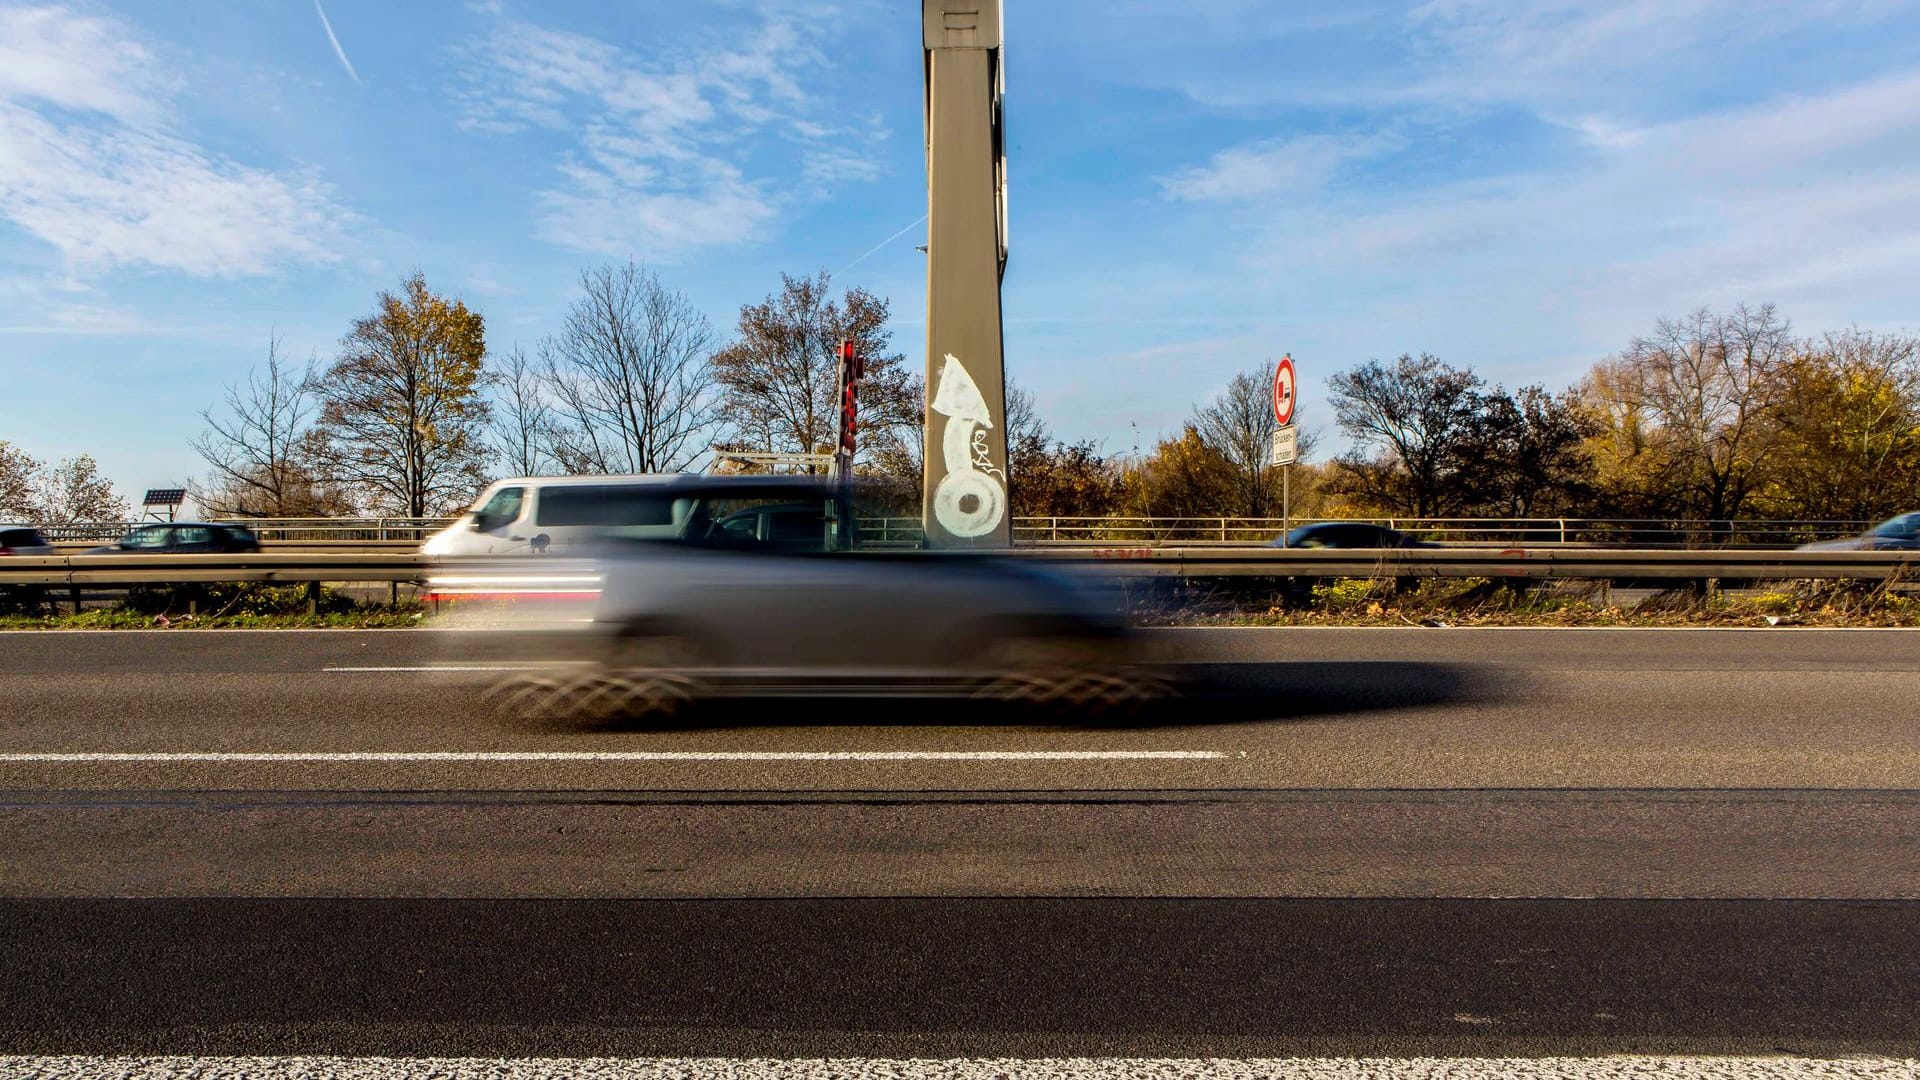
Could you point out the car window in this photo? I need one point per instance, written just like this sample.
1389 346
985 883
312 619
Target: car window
1904 526
1306 536
608 505
153 536
20 538
192 534
744 529
769 523
797 527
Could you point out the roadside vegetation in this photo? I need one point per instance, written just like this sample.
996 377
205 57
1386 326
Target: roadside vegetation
1433 602
1451 602
212 607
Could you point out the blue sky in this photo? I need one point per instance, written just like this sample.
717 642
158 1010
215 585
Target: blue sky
1197 185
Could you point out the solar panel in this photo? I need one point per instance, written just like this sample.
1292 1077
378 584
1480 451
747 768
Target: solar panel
164 497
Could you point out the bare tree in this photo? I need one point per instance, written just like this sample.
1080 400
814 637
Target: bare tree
1412 414
631 375
523 423
1704 387
1240 425
779 378
402 414
258 448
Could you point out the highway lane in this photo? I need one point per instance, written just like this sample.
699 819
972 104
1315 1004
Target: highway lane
1314 709
1355 842
987 977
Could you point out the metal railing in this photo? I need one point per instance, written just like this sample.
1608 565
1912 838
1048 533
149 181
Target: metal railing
1147 531
73 571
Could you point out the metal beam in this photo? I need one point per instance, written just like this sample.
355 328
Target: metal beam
966 433
1200 562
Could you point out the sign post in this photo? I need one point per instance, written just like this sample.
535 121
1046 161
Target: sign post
852 370
1286 439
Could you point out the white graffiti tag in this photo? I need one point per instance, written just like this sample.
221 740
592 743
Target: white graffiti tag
972 498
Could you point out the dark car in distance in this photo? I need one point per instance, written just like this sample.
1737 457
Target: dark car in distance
183 538
23 540
1348 534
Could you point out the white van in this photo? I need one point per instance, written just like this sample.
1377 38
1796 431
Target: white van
553 514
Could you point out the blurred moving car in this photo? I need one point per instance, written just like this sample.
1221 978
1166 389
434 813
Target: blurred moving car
183 538
1900 533
559 514
764 590
1348 534
23 540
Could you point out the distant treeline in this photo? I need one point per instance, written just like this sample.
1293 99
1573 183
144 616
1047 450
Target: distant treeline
1707 417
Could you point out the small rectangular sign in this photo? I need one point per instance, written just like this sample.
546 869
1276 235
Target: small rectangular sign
1286 446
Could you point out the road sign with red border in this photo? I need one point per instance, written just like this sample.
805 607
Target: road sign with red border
1283 391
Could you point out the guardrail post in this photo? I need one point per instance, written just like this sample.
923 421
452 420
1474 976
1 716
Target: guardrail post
313 598
1563 530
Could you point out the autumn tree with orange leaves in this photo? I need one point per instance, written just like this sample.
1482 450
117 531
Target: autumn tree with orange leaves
403 411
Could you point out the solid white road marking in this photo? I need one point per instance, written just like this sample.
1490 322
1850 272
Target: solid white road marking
402 756
1464 1068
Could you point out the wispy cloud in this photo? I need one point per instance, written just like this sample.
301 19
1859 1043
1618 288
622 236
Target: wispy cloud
91 163
1560 59
1271 167
334 40
1810 200
668 152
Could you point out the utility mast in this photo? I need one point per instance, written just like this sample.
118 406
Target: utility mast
966 447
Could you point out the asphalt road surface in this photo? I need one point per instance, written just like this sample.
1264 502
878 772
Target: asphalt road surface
1425 842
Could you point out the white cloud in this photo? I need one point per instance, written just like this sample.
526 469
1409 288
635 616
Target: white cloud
90 163
1273 167
1568 61
666 155
1813 202
1556 53
56 57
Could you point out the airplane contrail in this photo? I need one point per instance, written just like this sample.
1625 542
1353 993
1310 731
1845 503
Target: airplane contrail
337 50
875 247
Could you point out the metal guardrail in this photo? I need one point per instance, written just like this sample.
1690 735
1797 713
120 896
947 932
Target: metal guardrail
1145 531
66 571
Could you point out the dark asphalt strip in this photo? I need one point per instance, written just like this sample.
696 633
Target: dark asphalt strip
958 977
478 845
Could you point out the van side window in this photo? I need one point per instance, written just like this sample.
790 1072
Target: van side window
602 504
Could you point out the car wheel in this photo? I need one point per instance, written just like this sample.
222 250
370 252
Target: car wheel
592 696
1070 676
